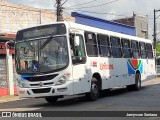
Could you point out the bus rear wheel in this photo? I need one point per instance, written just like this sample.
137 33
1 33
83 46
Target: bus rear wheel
94 90
51 99
137 85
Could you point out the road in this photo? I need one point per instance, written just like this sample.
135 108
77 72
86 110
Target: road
147 99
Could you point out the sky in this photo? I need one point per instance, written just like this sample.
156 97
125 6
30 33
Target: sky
106 9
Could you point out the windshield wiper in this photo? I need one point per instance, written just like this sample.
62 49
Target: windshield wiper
46 42
30 46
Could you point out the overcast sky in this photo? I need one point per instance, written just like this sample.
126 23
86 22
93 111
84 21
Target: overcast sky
113 8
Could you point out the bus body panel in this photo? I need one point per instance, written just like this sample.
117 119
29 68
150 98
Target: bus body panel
28 92
107 72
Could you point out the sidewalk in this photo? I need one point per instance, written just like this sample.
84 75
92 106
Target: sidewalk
9 98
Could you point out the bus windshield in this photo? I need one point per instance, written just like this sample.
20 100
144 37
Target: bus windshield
42 55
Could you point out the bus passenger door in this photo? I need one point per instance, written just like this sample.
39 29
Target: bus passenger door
79 73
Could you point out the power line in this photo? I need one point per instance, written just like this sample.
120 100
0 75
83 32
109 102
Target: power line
94 5
82 3
64 2
99 13
67 13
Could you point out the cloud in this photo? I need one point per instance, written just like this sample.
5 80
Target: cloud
45 4
120 7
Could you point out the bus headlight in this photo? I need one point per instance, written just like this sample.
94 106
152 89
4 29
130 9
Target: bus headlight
22 83
63 79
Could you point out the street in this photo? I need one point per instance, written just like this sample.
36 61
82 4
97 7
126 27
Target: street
147 99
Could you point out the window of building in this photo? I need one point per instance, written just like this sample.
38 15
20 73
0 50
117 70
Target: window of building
103 45
149 51
116 47
91 44
126 48
143 50
135 49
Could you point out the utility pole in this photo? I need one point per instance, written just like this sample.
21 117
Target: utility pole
154 33
59 10
40 17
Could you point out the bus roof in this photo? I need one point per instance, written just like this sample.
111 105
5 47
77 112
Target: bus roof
98 30
77 26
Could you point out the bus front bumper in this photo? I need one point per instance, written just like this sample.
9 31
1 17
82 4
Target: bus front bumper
38 92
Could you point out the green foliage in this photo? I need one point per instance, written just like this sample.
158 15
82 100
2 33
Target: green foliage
158 49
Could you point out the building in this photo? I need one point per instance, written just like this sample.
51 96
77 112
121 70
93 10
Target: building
139 21
104 24
14 17
4 77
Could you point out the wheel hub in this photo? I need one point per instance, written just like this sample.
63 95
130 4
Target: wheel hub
94 89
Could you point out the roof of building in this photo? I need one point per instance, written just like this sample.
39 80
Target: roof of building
7 36
103 24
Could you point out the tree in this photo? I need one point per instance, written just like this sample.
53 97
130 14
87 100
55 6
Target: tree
158 49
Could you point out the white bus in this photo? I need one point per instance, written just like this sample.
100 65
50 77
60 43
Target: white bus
158 65
67 58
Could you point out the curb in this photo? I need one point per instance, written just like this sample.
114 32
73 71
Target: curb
9 98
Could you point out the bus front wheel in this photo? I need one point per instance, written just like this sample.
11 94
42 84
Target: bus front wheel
94 90
51 99
137 85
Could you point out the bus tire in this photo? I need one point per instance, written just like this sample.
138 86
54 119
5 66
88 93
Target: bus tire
137 85
94 90
51 99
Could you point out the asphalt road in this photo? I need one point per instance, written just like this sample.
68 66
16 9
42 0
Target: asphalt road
147 99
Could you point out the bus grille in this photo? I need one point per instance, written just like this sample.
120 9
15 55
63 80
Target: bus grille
40 78
44 90
37 85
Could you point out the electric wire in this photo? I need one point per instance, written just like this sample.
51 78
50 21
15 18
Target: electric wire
82 3
64 2
94 5
99 12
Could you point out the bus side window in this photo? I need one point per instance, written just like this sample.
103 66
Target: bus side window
135 49
77 52
103 45
116 47
126 48
91 44
143 50
71 39
149 51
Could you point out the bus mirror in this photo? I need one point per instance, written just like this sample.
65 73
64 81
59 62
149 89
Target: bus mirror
76 40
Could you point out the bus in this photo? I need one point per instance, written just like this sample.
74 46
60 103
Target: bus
158 65
65 59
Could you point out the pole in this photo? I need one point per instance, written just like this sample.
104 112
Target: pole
40 17
59 10
154 33
9 70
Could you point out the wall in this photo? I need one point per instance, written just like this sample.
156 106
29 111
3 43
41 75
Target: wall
3 76
141 24
139 21
14 17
